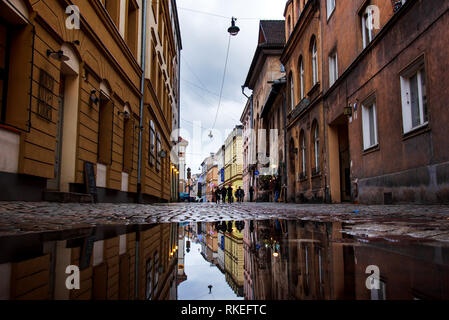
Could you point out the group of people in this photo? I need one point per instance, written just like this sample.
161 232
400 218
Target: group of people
223 192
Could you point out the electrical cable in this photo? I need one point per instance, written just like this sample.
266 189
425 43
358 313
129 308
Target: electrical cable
222 82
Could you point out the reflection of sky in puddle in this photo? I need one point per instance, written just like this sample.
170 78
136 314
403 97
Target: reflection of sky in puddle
200 274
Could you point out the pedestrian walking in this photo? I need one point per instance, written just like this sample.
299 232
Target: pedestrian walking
277 189
223 194
217 195
251 194
230 195
239 193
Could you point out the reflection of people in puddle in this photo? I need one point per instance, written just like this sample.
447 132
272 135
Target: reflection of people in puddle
210 289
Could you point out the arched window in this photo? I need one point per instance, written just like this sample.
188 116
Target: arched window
298 9
302 141
314 53
152 148
292 156
301 78
292 92
316 147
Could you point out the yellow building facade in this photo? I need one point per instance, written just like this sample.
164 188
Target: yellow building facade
71 94
233 166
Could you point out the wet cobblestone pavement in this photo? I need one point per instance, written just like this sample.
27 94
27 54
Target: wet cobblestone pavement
392 222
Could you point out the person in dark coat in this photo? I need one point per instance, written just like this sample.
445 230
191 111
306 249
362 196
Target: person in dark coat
251 194
217 195
230 195
240 194
223 194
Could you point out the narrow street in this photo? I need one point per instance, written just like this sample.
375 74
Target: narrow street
413 221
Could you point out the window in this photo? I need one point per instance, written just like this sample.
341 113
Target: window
289 26
158 151
414 97
292 92
132 26
367 27
151 149
105 130
369 124
330 7
156 271
128 144
333 68
316 147
149 279
302 140
301 78
314 62
113 8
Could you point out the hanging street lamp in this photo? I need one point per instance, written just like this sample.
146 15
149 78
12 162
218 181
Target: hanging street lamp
233 29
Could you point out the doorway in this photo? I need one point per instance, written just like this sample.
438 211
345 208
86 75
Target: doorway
345 166
339 161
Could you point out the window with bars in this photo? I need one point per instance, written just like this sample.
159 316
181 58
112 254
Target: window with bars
45 96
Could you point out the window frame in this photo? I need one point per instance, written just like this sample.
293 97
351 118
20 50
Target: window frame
367 33
417 69
301 78
370 103
330 12
151 144
333 68
303 154
314 55
158 151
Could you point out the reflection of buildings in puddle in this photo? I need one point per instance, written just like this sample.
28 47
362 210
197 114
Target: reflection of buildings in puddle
311 260
112 261
234 259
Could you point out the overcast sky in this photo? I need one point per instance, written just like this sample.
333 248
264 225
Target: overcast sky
205 40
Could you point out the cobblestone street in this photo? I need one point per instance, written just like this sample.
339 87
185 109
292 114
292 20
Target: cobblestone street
387 222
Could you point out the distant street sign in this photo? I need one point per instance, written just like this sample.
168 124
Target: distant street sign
256 173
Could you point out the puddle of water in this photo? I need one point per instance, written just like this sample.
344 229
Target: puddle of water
232 260
303 260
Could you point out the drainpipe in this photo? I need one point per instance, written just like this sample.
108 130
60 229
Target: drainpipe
142 91
284 120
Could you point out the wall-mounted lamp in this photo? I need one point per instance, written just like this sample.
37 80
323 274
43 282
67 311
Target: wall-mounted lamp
126 114
162 154
57 55
93 97
348 111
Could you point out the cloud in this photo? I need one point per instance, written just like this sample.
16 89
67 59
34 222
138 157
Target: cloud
205 40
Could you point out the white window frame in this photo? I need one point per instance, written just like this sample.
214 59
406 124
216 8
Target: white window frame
303 154
419 70
366 124
292 93
367 29
316 146
301 77
314 63
333 68
330 7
